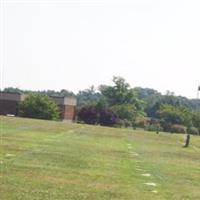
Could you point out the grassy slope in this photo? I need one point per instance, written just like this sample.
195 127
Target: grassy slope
52 160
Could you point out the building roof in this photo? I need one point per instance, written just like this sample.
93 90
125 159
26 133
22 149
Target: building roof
14 96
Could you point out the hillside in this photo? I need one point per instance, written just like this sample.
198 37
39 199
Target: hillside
55 160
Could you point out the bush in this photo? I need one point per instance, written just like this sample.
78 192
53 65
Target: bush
107 117
153 127
38 106
92 114
119 124
88 114
196 120
176 128
140 124
127 123
193 131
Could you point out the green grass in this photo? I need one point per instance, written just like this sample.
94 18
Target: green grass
43 160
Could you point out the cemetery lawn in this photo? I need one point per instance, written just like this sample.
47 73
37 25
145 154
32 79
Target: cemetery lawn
46 160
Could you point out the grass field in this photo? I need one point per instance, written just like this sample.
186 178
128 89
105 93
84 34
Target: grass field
43 160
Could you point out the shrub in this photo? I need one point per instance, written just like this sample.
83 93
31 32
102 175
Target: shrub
170 115
127 123
140 123
107 117
193 131
196 120
153 127
88 114
119 124
176 128
92 114
38 106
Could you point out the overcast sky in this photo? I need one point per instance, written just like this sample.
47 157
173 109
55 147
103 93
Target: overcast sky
71 44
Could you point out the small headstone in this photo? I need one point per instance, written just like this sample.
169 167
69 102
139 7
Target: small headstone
150 184
147 175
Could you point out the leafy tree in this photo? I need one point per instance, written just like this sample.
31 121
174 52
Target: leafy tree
127 112
171 115
12 90
122 99
39 106
196 120
153 100
88 97
144 93
61 93
154 103
120 93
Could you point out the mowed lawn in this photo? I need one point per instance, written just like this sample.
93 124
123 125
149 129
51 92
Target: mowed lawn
42 160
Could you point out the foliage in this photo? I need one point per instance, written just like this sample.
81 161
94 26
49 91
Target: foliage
107 117
154 103
153 100
88 114
120 93
193 131
122 100
123 123
130 104
88 97
170 115
61 93
153 127
196 120
92 114
144 93
177 128
12 90
38 106
127 112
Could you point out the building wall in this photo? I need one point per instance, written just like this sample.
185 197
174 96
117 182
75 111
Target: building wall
8 107
9 102
70 112
67 112
67 107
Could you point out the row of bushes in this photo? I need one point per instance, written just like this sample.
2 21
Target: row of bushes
175 128
92 114
95 115
42 107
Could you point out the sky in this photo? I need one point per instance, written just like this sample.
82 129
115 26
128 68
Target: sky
73 44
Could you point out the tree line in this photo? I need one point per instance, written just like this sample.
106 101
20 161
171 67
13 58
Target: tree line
119 105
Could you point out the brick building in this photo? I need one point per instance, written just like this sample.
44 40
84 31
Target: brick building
9 102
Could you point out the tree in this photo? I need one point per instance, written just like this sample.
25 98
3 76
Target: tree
196 120
38 106
171 115
122 100
88 97
127 112
120 93
12 90
61 93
